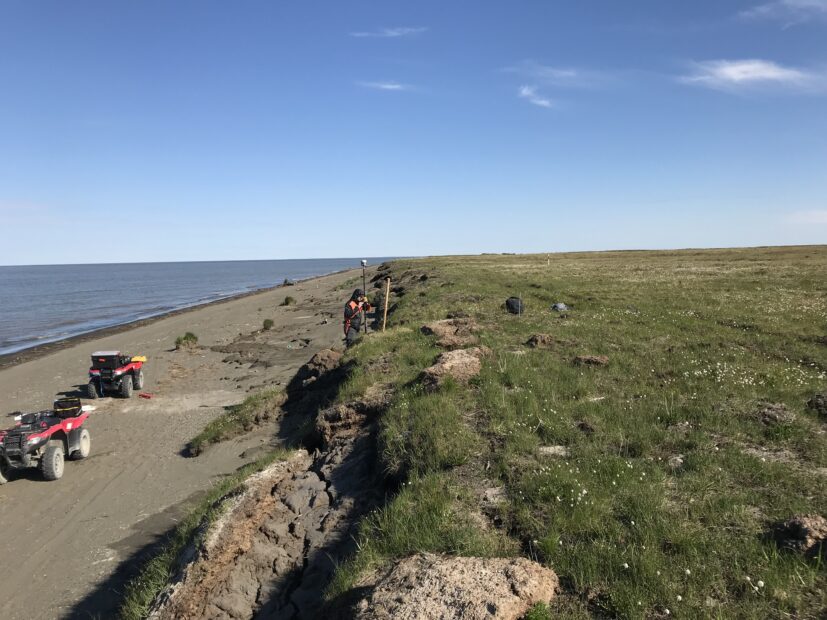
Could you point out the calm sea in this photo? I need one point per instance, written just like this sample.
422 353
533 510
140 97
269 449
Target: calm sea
40 304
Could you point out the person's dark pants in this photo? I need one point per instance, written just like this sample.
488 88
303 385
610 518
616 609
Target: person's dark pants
351 336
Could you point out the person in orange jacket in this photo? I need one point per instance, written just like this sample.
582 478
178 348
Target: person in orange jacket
355 313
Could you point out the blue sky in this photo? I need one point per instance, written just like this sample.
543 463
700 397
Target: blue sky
164 130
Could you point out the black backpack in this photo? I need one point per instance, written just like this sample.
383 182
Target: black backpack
515 305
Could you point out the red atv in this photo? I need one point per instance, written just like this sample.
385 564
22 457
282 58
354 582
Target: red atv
113 372
43 440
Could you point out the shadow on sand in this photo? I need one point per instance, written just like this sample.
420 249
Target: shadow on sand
147 539
76 391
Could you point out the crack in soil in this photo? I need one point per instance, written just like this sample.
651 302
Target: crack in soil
273 552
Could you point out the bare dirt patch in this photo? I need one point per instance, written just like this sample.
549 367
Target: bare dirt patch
773 414
345 420
591 360
319 365
775 456
435 586
541 341
553 451
804 534
453 333
461 365
781 455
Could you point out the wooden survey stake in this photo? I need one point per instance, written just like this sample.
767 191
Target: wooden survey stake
387 295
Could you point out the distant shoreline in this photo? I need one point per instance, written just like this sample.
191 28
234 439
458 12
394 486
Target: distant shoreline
188 262
37 351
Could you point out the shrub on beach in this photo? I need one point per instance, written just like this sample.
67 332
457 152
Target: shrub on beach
186 341
268 324
288 301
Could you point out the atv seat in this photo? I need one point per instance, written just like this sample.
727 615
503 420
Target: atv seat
67 408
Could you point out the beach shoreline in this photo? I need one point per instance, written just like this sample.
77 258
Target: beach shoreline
138 483
8 360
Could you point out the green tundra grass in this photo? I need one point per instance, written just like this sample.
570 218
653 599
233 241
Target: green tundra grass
674 474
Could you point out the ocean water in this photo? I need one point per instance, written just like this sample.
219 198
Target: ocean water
46 303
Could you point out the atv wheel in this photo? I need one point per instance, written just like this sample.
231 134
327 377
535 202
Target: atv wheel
4 471
138 380
51 465
126 387
84 446
92 390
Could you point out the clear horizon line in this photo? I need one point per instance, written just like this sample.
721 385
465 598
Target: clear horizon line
231 260
409 256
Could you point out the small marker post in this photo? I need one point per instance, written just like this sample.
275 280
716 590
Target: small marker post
365 289
387 295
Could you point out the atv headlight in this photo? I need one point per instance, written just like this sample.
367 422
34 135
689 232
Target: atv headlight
34 441
118 373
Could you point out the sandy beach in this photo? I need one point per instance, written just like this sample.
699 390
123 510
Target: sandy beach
76 539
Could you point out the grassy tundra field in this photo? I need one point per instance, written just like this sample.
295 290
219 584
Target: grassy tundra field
679 456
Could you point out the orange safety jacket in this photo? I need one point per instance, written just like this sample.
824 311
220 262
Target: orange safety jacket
354 309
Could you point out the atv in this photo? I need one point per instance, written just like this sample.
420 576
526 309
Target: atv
113 372
43 440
